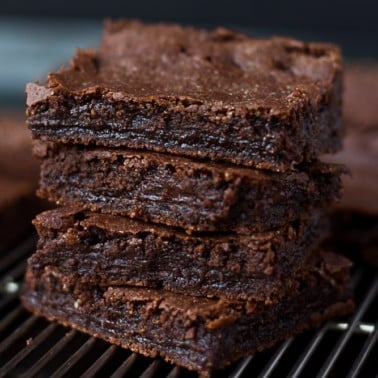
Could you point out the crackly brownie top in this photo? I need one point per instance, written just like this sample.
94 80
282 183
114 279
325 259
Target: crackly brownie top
219 68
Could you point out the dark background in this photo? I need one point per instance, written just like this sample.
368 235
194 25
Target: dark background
344 15
38 36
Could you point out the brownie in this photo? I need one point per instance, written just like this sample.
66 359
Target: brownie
361 95
200 334
361 156
360 152
18 206
176 191
354 234
16 158
93 248
220 95
18 179
355 218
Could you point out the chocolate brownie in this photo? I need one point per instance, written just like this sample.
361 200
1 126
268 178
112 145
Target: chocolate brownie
198 333
18 206
18 179
361 156
355 220
16 158
267 103
361 96
355 234
181 192
360 152
101 249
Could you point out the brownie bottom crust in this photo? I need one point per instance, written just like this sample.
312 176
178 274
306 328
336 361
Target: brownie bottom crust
92 248
197 333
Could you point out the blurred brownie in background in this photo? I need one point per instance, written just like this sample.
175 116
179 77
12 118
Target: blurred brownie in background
18 179
355 221
16 160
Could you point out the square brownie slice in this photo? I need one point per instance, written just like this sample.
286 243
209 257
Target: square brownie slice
100 249
220 95
200 334
181 192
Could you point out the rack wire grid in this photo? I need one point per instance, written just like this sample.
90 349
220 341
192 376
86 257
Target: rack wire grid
32 347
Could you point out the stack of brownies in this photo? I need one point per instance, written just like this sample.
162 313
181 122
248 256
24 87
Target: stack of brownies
185 162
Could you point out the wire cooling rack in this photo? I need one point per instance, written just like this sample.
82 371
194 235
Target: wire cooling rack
32 347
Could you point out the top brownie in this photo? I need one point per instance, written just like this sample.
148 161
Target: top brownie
267 103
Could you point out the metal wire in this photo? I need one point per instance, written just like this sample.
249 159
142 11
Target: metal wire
308 352
27 359
94 368
75 357
19 332
126 366
327 367
34 344
273 362
175 372
152 369
46 358
238 372
366 349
